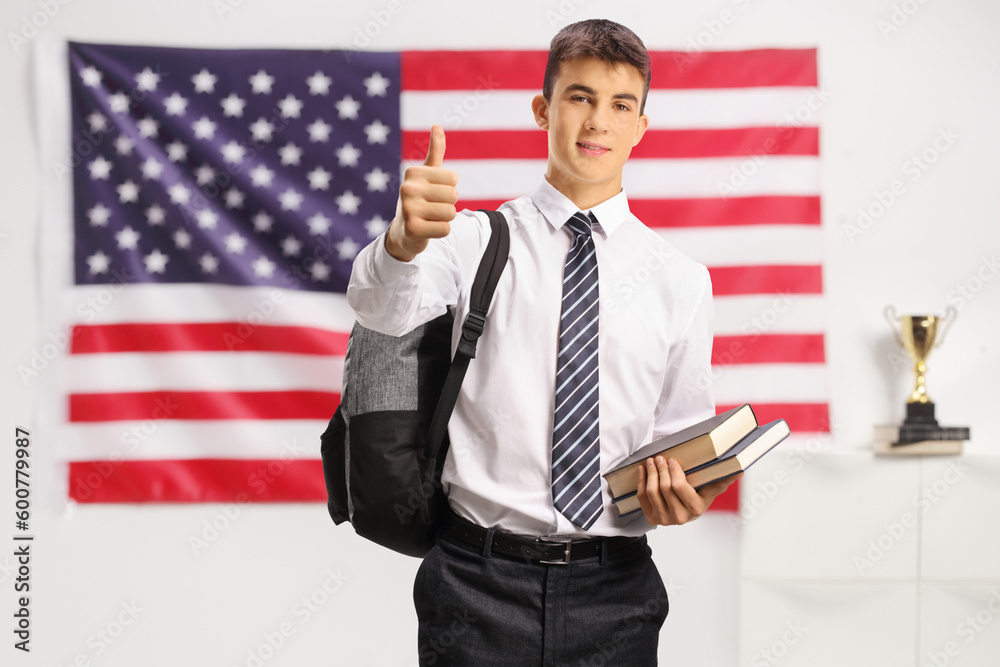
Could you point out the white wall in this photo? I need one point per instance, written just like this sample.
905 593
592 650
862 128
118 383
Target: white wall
890 95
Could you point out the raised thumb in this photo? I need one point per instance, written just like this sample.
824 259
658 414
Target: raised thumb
435 151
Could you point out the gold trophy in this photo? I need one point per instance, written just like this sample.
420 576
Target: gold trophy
918 335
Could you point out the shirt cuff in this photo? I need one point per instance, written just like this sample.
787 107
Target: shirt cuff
386 268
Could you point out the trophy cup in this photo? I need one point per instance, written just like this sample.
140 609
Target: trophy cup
918 335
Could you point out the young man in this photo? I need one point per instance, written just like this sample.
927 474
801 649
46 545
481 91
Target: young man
579 365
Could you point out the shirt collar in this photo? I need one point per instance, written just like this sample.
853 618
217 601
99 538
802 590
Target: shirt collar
557 207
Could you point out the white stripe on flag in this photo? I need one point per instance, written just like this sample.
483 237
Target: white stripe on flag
667 109
769 314
750 244
652 178
203 371
152 440
770 383
112 304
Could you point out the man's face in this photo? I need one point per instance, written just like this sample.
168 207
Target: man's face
593 122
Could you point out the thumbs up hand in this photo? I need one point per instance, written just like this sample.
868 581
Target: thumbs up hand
426 203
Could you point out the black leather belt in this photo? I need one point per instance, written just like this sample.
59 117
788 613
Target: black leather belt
548 551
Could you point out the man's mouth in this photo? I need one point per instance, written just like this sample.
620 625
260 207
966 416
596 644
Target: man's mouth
593 149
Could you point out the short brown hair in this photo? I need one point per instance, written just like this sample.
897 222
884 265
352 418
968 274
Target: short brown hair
597 38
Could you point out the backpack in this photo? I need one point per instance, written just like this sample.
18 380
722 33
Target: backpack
385 446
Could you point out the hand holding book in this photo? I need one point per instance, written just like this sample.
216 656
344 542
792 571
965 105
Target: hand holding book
668 499
704 454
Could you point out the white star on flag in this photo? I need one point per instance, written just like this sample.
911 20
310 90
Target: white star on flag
377 85
262 222
347 156
319 271
148 128
376 226
290 154
91 76
207 218
232 106
235 243
290 106
204 128
176 151
233 152
98 122
319 84
147 79
234 198
175 104
262 130
155 261
291 246
319 224
99 215
123 145
261 82
348 107
348 249
98 263
377 132
155 215
151 169
179 194
378 180
263 267
319 179
127 238
319 130
290 200
119 102
128 192
99 168
209 263
204 174
204 82
261 176
348 202
182 239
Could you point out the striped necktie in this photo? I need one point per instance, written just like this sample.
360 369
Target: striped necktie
576 449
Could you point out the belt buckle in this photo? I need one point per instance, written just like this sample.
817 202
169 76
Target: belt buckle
568 541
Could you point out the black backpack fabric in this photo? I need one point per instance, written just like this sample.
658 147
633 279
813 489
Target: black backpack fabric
385 446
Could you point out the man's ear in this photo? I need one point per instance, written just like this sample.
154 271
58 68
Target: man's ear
540 108
640 129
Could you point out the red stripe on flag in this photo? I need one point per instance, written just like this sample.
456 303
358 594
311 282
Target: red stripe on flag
533 144
524 70
730 280
802 417
205 337
139 405
768 349
197 481
706 212
728 500
723 212
472 70
729 142
734 69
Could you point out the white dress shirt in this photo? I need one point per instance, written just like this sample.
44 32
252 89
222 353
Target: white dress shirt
655 348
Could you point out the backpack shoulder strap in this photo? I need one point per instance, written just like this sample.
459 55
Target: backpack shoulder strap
488 275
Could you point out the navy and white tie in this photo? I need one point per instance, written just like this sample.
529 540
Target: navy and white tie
576 449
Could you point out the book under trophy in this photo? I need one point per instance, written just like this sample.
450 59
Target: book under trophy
920 432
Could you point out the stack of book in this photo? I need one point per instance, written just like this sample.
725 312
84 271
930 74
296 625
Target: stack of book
719 447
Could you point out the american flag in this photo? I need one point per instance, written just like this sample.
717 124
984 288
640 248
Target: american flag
219 198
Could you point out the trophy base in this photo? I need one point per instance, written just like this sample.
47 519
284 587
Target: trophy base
921 426
927 448
919 414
